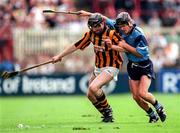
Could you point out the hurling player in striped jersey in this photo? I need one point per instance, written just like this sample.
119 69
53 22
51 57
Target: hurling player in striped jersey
107 62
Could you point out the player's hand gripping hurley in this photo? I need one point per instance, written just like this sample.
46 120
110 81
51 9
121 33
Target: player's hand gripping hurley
6 75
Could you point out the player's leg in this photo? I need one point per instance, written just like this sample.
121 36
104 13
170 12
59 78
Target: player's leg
90 95
145 82
143 89
92 98
102 79
134 86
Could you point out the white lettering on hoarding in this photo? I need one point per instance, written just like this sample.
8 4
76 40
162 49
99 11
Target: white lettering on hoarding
48 85
11 86
83 83
170 81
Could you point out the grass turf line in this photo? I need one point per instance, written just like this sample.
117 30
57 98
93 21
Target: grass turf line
68 114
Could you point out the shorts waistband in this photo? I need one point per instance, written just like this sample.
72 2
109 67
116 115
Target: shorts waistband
141 63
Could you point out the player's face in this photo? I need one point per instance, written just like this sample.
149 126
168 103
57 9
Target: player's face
97 29
125 28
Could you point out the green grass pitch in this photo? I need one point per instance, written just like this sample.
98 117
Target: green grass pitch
75 114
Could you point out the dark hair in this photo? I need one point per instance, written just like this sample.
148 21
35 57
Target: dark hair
123 18
94 20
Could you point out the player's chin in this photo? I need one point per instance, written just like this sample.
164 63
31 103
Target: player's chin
126 32
98 32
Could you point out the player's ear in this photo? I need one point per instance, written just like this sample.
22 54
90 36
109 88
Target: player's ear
130 24
116 27
103 21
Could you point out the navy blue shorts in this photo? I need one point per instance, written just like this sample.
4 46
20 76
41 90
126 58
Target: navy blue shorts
136 70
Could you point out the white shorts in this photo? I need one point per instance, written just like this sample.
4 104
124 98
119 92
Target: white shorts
110 70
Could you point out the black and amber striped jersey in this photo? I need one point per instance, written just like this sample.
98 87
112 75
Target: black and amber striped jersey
105 58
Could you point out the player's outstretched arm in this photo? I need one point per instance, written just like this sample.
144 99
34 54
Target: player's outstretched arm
86 13
65 52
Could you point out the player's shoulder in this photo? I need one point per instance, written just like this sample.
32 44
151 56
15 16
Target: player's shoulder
88 33
137 31
115 35
138 35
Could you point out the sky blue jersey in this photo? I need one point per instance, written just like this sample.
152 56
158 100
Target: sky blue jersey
136 39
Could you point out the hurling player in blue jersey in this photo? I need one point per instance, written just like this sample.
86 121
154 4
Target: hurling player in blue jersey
139 67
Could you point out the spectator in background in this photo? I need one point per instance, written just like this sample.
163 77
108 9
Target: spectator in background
28 63
46 69
158 58
173 36
34 59
28 14
128 5
6 42
171 55
38 19
148 7
154 21
136 17
105 6
85 4
6 64
169 17
158 40
158 43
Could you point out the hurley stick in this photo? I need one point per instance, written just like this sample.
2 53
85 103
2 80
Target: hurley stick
6 75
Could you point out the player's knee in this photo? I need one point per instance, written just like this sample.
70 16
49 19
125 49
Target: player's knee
89 95
93 88
142 94
136 97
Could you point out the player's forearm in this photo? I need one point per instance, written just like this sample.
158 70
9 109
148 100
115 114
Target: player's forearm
104 17
117 48
132 50
67 51
86 13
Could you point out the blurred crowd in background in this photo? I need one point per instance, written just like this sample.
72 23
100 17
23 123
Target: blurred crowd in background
27 14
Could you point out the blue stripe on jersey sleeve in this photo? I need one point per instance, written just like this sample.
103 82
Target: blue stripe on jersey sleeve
143 50
142 46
